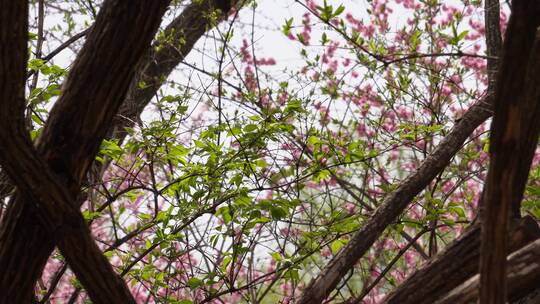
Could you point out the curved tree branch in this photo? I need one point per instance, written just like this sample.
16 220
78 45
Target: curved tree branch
422 285
161 59
153 69
155 66
397 201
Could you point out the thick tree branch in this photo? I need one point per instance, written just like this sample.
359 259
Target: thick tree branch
153 69
155 66
160 60
492 13
514 137
422 285
78 122
93 92
523 276
13 57
458 262
393 205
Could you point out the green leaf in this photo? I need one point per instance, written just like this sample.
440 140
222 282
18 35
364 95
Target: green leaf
458 211
194 283
250 128
286 29
35 64
339 10
336 245
324 39
278 212
226 263
276 256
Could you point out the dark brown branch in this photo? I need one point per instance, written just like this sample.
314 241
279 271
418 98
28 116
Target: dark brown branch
43 209
455 264
155 66
514 137
492 13
523 276
449 269
13 57
159 61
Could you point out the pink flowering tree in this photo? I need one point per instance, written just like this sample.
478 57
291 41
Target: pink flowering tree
266 152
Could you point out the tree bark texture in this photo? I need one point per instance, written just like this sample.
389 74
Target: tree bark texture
523 276
492 13
513 140
153 69
43 211
454 265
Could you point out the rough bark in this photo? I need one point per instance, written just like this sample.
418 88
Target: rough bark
13 58
493 41
160 60
514 137
523 277
393 205
154 68
39 215
458 262
531 298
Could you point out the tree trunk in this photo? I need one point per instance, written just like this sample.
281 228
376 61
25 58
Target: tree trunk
153 69
513 140
78 122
